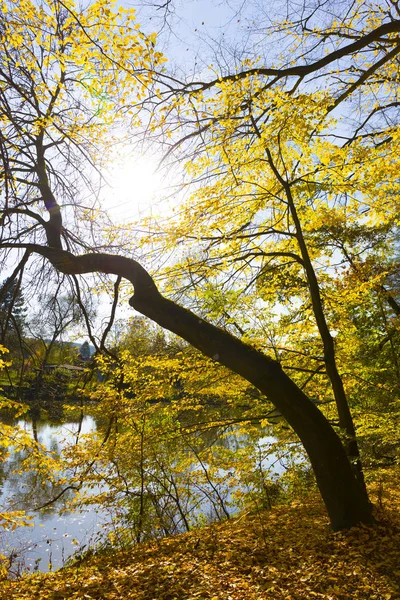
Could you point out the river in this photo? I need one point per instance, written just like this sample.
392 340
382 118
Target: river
57 534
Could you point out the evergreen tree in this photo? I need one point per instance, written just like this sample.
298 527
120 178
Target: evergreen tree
12 308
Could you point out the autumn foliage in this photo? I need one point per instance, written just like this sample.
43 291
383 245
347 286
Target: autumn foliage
281 264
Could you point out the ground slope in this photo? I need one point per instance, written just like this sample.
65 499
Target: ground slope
288 553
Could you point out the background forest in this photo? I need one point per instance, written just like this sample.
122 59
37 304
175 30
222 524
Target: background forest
262 362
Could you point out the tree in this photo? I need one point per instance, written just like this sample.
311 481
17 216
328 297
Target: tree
275 169
13 320
12 307
56 315
262 154
84 351
164 454
60 121
59 95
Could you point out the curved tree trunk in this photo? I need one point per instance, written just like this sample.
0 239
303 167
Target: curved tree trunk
346 501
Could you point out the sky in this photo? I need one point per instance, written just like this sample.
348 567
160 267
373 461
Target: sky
136 187
188 38
193 34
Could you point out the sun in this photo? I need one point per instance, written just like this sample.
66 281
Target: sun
132 188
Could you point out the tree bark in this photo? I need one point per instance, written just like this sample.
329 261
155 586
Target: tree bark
346 502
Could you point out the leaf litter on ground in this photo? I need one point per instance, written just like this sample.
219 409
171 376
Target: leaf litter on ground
287 553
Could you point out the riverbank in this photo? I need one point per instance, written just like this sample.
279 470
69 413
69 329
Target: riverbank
288 553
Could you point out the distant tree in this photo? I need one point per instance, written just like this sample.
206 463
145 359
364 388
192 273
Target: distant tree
84 351
13 320
57 314
141 337
46 328
12 307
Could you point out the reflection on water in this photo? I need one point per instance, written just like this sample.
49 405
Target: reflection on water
51 540
56 535
25 489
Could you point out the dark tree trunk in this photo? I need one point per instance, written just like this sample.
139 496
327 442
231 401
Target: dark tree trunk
346 422
345 499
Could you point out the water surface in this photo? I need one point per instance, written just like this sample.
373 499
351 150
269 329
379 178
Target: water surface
58 534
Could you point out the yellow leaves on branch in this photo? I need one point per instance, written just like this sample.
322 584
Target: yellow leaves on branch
3 363
13 519
236 184
75 59
154 379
